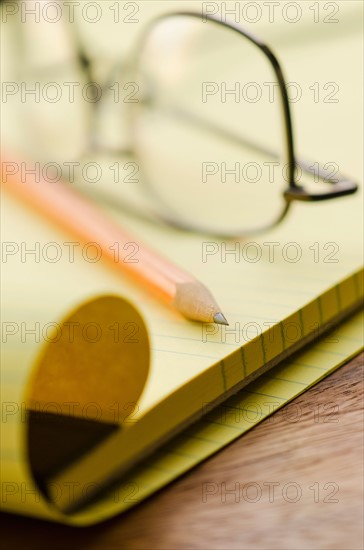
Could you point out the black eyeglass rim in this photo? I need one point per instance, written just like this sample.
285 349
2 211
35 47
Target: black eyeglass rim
340 185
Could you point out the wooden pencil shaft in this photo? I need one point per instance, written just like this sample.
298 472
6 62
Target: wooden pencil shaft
58 202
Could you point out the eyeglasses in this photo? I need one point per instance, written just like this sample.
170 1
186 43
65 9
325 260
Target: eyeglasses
210 129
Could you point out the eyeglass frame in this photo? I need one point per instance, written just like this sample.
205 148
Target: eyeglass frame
341 185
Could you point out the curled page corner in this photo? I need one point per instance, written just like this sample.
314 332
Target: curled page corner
85 382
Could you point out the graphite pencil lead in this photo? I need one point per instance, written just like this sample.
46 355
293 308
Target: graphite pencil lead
220 319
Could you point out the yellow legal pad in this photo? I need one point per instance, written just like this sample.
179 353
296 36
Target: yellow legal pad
84 406
229 421
232 419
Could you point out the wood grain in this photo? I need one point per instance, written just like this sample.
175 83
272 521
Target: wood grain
314 444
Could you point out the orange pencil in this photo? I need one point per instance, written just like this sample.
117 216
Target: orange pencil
70 210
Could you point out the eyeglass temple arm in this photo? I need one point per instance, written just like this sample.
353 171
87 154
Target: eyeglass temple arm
340 185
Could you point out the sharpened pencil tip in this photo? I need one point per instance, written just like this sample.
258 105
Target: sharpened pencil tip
220 319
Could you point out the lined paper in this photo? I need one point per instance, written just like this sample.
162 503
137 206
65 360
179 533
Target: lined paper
186 372
220 427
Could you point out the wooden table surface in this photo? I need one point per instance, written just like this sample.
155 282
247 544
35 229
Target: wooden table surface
299 482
